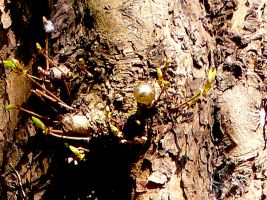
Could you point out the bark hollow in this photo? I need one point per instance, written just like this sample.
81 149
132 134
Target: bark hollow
214 149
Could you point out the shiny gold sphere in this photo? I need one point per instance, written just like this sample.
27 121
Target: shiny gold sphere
144 94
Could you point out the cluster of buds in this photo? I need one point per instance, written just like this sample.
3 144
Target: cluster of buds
56 73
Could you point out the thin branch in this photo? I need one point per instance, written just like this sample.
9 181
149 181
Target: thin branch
55 65
59 134
39 92
33 113
50 93
39 79
67 88
46 51
49 59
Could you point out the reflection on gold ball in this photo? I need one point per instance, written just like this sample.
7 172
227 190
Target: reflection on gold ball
144 94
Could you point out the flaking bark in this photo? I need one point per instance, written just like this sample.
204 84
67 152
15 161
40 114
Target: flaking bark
212 150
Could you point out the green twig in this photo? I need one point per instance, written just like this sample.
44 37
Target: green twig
187 101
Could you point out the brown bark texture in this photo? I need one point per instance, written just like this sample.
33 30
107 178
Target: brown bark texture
213 149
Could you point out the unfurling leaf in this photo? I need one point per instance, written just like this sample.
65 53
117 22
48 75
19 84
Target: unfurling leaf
9 64
10 107
39 124
162 83
13 64
167 63
116 131
108 113
160 76
203 91
210 80
39 48
80 155
211 75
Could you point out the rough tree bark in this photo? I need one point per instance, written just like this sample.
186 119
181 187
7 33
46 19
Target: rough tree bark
213 150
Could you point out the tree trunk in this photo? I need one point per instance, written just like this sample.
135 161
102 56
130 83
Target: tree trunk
213 149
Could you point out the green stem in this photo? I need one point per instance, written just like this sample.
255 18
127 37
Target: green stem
186 102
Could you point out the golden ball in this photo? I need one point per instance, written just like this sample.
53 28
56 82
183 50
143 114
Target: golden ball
144 94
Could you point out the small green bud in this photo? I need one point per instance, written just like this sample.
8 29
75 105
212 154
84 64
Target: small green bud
77 152
39 124
167 63
116 131
160 75
211 75
138 122
39 48
10 107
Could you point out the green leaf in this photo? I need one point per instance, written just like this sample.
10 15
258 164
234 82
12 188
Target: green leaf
116 131
10 107
13 64
167 63
108 113
160 75
77 152
210 80
9 64
39 124
211 75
